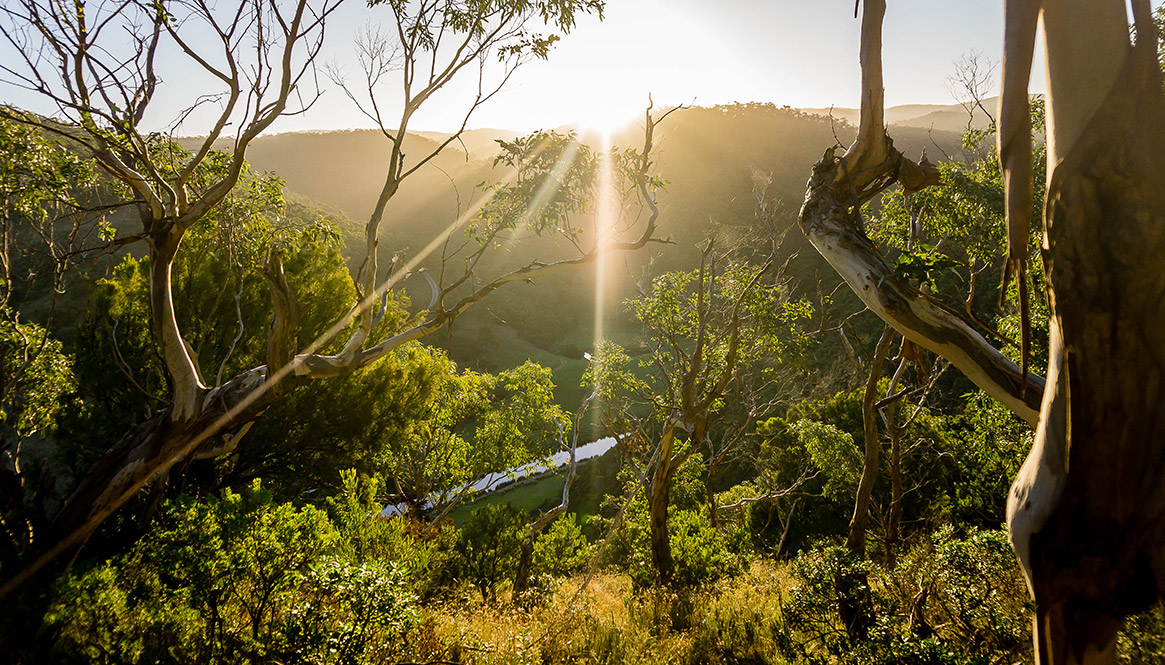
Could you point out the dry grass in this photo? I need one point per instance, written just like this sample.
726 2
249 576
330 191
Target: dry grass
606 623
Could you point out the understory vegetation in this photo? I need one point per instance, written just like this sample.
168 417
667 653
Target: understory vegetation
239 578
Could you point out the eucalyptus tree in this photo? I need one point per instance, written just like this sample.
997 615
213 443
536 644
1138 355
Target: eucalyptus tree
1085 512
100 66
711 335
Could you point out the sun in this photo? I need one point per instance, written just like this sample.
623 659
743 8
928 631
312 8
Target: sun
609 113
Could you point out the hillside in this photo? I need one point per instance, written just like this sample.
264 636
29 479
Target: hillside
710 158
945 118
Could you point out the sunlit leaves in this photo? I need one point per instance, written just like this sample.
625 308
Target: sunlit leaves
36 374
554 178
424 23
833 452
36 174
468 425
920 266
967 210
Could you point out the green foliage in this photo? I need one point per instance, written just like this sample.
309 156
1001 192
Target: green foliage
920 266
823 579
488 547
212 583
993 446
951 600
1142 638
467 425
353 613
486 21
701 552
555 178
300 451
521 419
225 314
355 510
833 453
36 374
423 553
956 466
36 175
236 578
977 594
43 186
562 549
960 234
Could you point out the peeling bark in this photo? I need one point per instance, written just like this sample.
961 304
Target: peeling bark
1087 510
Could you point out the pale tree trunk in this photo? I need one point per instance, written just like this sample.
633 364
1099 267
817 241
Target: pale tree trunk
1087 510
831 219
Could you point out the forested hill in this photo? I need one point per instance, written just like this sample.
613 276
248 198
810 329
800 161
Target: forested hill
939 117
711 157
708 156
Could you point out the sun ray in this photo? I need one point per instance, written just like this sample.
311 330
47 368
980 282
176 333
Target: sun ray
552 181
605 218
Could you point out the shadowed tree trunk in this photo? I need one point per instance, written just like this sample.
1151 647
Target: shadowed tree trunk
1087 510
856 540
658 499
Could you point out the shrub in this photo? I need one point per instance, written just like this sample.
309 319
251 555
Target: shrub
951 600
351 609
423 552
562 549
488 547
701 553
233 579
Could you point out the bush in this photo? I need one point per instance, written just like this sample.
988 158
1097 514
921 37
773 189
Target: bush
233 579
950 600
562 549
488 547
351 609
423 552
701 553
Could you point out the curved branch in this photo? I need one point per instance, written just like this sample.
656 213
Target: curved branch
830 218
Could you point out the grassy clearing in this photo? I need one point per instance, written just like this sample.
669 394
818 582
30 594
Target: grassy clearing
527 496
732 622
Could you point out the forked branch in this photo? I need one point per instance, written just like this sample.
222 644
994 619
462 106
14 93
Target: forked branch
831 219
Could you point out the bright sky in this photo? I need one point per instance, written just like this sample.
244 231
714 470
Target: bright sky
801 53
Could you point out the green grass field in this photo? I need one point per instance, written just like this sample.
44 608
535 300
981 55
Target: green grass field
527 496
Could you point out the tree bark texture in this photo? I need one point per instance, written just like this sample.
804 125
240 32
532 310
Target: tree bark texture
657 504
831 219
1087 511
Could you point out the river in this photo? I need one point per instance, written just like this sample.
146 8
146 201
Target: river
495 481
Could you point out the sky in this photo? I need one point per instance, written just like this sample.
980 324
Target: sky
801 53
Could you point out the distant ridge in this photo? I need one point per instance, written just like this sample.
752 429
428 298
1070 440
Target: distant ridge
949 118
479 143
